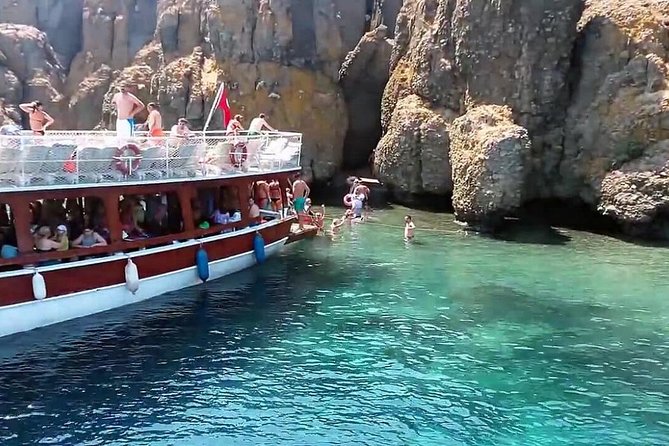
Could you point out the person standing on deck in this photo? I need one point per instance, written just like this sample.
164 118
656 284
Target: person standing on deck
39 119
155 121
254 213
235 125
300 193
180 129
127 106
259 124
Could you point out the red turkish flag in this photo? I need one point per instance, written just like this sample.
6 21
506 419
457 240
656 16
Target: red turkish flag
224 106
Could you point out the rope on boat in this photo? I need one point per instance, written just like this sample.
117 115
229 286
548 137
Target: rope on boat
444 231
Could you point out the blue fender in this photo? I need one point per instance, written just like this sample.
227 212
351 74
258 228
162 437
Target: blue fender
259 248
202 263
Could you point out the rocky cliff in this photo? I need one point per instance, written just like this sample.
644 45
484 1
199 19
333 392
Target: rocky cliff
280 57
484 104
586 81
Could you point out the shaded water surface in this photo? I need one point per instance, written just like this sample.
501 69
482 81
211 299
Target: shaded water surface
540 338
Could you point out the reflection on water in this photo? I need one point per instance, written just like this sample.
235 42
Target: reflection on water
454 339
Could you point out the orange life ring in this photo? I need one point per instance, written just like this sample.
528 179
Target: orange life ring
122 165
238 154
70 165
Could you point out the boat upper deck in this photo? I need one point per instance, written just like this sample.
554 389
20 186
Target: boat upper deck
74 159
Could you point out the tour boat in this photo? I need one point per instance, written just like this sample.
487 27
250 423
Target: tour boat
152 200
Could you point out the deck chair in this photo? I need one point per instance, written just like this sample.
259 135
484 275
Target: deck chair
54 165
153 164
97 165
271 156
10 165
290 155
183 161
32 164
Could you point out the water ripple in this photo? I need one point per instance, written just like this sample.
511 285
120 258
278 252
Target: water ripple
364 341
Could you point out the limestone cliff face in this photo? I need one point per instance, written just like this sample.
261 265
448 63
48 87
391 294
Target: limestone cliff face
587 80
280 57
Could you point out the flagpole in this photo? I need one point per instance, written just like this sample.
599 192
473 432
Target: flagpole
214 106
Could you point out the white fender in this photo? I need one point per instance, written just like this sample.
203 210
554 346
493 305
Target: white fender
131 277
39 286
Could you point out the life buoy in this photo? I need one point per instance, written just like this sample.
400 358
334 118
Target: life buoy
70 165
238 154
122 164
348 200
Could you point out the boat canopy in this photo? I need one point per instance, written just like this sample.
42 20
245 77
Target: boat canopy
64 159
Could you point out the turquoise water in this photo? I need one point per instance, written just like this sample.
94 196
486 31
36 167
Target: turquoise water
546 338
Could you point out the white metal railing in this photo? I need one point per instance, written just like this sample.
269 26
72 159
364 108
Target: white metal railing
78 157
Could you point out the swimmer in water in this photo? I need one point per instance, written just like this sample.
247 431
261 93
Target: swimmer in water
409 228
336 224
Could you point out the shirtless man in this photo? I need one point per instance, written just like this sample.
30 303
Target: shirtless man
155 121
39 119
259 124
127 106
300 193
254 213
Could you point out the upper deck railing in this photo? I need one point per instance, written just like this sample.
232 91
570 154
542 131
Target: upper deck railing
92 157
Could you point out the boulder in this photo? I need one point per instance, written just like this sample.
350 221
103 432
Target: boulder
619 114
638 199
31 70
488 154
465 53
412 157
54 17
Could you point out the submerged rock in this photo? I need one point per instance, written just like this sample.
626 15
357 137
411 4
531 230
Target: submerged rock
488 154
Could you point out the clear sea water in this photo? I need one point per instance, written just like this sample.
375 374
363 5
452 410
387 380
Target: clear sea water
550 337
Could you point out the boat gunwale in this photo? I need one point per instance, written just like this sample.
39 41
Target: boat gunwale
281 241
115 256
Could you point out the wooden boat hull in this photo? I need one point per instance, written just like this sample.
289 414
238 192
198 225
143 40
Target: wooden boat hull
88 287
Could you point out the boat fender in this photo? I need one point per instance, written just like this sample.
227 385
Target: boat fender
39 286
202 263
259 248
131 277
348 200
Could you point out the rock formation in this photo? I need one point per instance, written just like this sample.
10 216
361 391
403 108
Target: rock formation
587 80
280 57
584 85
489 155
363 76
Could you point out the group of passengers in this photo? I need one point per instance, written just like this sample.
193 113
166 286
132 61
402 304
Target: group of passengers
127 106
58 225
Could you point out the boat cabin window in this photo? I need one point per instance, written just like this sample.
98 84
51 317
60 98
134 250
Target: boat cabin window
8 243
62 224
216 206
152 215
